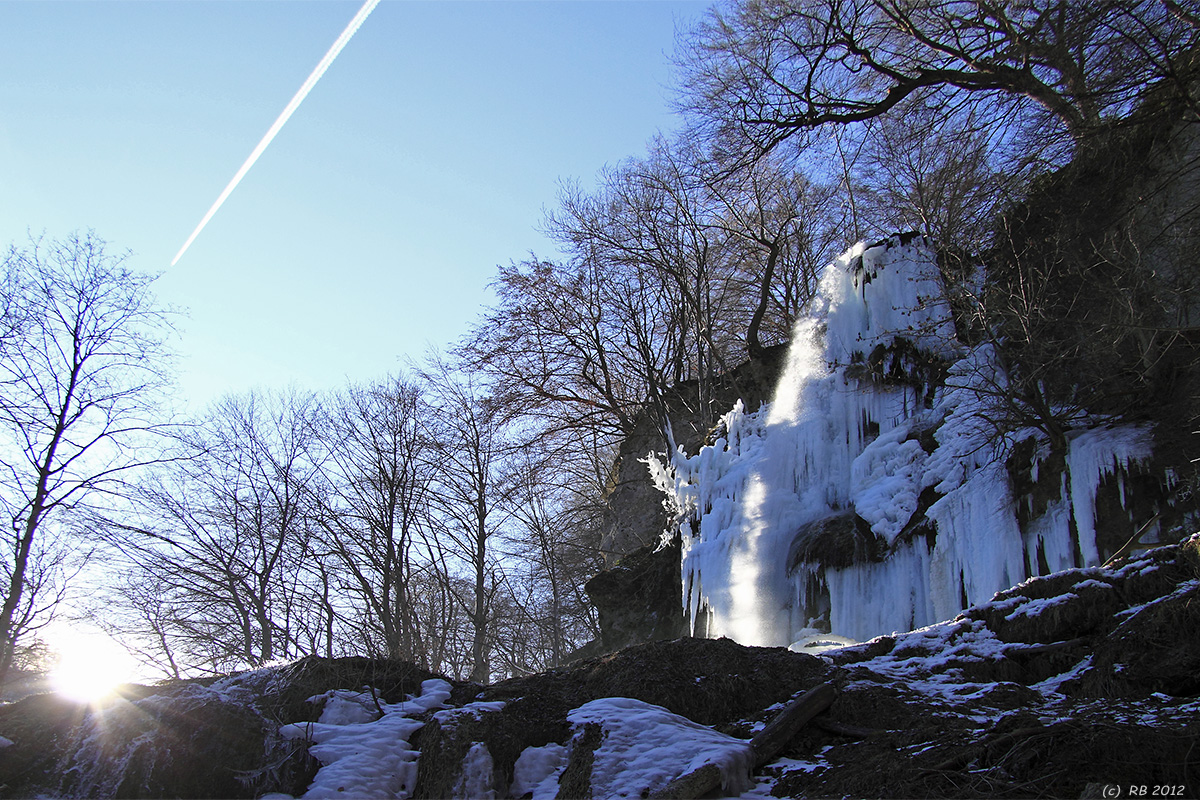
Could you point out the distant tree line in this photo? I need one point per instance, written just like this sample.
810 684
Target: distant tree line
393 519
450 515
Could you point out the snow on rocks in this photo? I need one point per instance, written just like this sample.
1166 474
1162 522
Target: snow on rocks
1094 683
1083 676
362 744
537 770
643 747
1039 633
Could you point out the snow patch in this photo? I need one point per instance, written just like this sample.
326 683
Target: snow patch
646 746
475 782
537 770
363 757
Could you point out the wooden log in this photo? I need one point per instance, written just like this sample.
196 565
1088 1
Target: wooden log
779 731
696 783
763 747
1133 541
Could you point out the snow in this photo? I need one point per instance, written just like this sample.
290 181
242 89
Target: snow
779 768
1184 588
342 707
536 771
1033 608
365 752
1053 685
646 746
475 782
834 441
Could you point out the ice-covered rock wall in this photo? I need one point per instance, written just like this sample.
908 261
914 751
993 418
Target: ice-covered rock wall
874 493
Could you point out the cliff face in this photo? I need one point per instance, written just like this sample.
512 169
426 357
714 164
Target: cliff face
911 461
637 516
637 597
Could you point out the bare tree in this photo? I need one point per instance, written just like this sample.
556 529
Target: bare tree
763 70
943 169
555 540
781 232
468 494
649 223
554 349
147 624
226 538
83 363
377 474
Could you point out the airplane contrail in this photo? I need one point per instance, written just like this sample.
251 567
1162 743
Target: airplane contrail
350 30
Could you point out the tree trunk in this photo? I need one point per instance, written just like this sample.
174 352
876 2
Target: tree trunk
753 337
479 665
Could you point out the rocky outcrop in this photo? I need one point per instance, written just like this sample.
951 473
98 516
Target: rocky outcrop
202 739
639 600
709 682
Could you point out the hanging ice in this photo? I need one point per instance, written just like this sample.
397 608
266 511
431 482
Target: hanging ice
872 495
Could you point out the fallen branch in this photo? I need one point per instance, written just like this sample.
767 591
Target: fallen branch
1039 649
696 783
1133 541
964 757
848 731
779 731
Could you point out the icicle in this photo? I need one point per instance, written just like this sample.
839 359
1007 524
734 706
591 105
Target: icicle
1091 456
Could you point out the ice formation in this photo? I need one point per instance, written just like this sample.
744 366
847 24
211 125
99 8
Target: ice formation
872 494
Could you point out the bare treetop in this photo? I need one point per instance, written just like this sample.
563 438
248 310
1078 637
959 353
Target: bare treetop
760 71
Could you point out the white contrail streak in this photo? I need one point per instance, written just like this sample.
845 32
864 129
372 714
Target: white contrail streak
354 25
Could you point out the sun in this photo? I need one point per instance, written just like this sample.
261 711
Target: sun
90 667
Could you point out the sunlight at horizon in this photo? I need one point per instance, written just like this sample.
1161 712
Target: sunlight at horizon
90 667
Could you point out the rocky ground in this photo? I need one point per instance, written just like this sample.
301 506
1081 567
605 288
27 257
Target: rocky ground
1080 684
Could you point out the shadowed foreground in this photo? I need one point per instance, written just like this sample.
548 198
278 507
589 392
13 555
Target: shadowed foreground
1055 688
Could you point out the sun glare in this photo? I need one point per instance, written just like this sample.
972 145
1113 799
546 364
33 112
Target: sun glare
90 668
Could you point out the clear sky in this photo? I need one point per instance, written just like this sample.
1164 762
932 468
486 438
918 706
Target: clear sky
372 224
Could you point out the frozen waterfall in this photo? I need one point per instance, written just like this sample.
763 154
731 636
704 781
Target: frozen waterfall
872 494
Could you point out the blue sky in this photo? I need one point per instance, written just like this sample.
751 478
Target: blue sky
372 224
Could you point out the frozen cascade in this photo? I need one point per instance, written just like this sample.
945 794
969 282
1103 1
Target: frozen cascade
871 495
